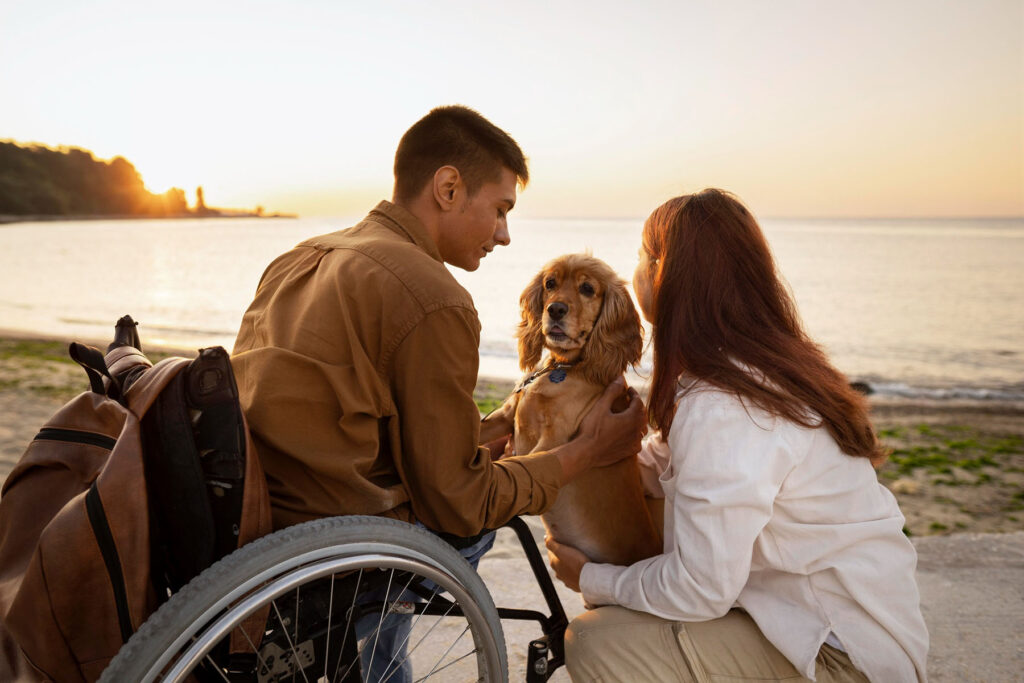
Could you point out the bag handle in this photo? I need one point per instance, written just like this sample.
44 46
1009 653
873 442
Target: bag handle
91 360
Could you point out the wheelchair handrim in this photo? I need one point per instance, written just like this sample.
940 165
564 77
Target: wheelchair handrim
309 566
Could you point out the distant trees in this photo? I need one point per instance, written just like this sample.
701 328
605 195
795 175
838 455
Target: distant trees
70 181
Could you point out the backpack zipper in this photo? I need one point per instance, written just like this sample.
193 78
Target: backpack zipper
76 436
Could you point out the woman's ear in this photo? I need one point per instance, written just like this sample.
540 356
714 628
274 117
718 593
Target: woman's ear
531 332
617 339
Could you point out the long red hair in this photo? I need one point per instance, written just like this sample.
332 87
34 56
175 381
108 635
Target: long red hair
719 304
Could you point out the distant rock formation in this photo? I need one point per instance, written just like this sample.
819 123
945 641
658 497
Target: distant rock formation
862 387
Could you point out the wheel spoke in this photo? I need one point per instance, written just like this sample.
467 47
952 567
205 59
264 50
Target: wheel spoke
409 635
450 648
451 663
429 631
330 613
296 654
217 668
349 626
255 650
376 635
291 645
314 565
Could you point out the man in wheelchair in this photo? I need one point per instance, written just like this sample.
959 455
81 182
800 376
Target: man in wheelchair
357 360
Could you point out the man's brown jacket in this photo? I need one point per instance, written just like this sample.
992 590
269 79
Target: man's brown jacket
356 364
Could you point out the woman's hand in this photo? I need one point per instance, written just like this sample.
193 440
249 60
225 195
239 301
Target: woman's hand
566 561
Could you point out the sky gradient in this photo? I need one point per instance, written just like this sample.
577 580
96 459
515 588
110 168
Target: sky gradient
868 108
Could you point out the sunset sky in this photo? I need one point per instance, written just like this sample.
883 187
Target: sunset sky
803 108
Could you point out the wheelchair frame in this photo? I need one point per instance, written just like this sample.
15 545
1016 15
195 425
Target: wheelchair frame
547 653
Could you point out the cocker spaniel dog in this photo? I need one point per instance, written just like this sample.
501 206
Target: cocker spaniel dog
579 311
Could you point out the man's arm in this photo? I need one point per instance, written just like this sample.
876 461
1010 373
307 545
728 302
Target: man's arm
453 484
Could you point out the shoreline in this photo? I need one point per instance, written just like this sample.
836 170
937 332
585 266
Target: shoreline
956 465
10 219
882 403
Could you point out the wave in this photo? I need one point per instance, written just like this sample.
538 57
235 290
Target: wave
165 329
953 392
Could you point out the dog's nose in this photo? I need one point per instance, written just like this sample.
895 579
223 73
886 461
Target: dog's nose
557 310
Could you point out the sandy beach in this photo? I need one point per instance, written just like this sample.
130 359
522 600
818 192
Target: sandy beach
955 466
957 469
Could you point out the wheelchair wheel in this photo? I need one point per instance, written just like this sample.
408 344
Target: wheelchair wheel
338 599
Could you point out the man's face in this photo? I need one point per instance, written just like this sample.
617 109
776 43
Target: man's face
476 225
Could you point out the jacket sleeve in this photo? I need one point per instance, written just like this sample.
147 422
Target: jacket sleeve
726 470
453 484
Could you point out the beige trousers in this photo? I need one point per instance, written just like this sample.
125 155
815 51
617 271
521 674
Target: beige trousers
616 644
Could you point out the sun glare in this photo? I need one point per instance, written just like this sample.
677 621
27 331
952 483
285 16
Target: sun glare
799 112
162 168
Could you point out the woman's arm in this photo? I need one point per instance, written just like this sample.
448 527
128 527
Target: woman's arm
654 458
726 470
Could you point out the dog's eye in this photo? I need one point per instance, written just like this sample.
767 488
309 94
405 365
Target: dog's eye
549 283
587 289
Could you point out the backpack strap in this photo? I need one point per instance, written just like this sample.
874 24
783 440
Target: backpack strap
91 360
126 364
111 558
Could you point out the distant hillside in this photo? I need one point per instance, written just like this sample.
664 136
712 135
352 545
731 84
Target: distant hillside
37 180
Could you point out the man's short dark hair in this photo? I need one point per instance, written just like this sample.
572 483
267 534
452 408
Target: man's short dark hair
460 137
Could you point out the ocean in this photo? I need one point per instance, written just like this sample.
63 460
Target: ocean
922 308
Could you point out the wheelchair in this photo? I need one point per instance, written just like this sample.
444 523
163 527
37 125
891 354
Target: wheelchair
341 599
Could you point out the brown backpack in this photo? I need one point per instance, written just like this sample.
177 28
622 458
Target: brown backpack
130 490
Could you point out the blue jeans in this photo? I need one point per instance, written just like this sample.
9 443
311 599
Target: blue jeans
387 660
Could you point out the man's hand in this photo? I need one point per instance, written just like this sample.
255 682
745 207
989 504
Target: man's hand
566 561
606 436
616 433
498 447
499 422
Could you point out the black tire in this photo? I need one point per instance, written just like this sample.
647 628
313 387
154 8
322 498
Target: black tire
189 633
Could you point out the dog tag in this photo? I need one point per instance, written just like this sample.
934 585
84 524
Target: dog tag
557 376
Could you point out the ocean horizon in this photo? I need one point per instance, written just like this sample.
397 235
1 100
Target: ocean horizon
915 307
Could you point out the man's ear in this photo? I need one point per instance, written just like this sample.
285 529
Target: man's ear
446 186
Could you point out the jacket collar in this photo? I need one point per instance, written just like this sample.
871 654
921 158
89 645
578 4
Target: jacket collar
404 223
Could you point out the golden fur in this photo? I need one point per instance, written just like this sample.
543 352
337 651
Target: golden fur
602 512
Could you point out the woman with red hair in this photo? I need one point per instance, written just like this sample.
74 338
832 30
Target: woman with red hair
784 558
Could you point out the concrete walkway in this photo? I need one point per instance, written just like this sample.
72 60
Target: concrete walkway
972 595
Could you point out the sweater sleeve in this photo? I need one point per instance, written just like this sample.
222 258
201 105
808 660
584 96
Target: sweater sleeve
454 486
727 465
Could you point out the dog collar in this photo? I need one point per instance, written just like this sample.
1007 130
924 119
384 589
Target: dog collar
556 370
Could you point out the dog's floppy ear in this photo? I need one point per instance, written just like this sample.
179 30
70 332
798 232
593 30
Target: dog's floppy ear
531 332
617 338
